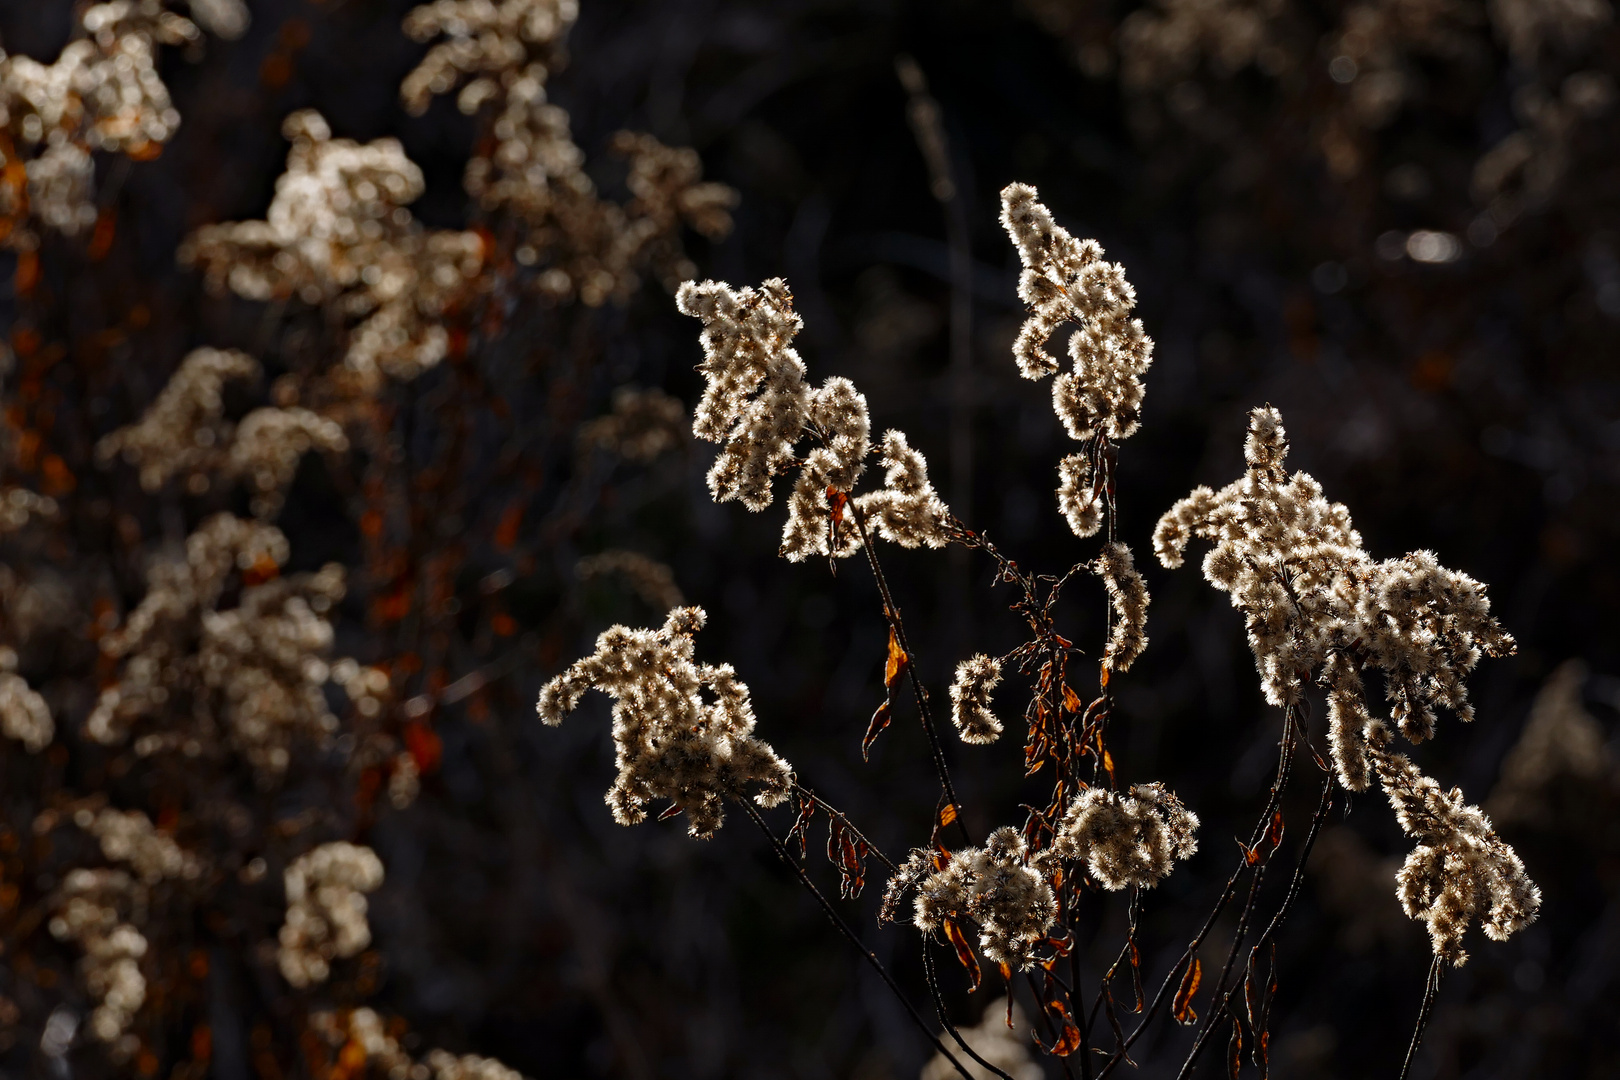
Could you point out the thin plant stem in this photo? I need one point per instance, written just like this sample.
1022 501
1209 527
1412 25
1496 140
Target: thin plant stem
843 928
1430 991
892 614
939 1008
1281 782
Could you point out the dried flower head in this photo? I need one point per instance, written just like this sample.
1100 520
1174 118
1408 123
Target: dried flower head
24 716
253 672
1460 870
88 913
183 432
1563 749
102 93
1078 497
642 425
130 837
1314 601
653 581
1066 281
1127 840
268 445
482 44
994 887
337 234
1128 602
1002 1045
670 743
970 700
757 404
326 909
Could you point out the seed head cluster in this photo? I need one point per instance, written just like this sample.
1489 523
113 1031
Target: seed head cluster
326 910
994 887
102 94
531 172
338 235
1460 870
1066 281
975 678
670 742
1127 840
759 406
1128 603
1315 601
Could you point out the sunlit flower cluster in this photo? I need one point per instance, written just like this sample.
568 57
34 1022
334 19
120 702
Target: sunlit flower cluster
326 910
88 913
1315 601
584 246
102 93
1130 839
671 743
1460 871
337 234
757 404
994 887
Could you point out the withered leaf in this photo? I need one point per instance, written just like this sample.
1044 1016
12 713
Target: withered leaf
947 814
670 811
1071 700
1183 1006
1274 834
898 661
880 720
1234 1051
964 953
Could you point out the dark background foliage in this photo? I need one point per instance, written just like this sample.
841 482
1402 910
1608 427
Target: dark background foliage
1470 407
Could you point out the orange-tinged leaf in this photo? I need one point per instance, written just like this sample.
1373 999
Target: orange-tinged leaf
1071 700
1102 679
506 532
1234 1051
880 720
836 501
1274 835
947 814
964 953
1183 1007
1250 855
897 663
670 811
1108 763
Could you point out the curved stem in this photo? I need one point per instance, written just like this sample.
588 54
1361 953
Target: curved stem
1429 993
939 1009
843 928
892 614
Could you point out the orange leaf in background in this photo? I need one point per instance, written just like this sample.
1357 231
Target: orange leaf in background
145 151
27 274
880 720
146 1063
1183 1007
964 954
506 533
264 569
503 624
197 964
58 478
202 1042
371 524
101 240
425 746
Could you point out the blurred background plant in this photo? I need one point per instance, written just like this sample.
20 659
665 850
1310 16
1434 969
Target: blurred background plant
345 402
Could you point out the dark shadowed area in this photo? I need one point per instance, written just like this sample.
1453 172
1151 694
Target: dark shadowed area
1397 222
